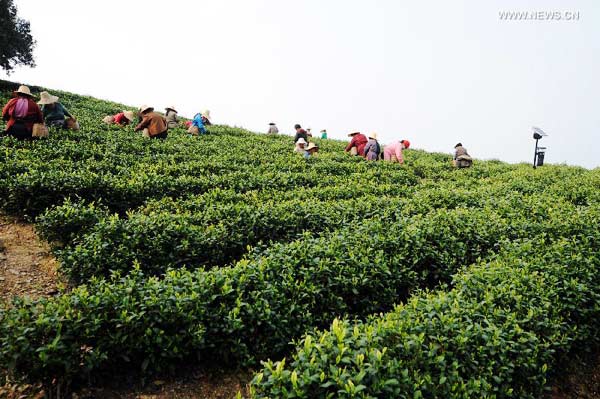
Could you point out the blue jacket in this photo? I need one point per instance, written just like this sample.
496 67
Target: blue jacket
197 121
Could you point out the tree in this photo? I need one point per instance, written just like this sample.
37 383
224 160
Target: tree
16 43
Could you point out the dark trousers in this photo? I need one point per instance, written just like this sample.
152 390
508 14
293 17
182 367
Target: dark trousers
57 122
161 136
19 131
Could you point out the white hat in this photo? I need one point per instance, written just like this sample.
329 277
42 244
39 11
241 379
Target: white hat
301 141
24 90
172 108
373 136
47 98
206 114
145 108
311 146
129 115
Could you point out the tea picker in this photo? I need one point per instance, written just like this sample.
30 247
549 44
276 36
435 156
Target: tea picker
462 159
393 151
55 114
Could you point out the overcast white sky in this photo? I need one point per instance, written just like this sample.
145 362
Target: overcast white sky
433 72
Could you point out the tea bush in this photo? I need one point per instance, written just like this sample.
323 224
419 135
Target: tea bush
276 246
495 334
236 315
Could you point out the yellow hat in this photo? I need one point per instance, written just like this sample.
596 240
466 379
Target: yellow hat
373 136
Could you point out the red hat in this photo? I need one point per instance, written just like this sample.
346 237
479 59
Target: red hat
406 143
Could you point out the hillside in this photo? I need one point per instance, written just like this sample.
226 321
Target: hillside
219 251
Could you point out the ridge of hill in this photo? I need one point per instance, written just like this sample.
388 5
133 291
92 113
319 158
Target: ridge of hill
227 249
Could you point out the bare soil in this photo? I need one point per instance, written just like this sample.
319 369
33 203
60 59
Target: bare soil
197 385
194 385
578 377
27 268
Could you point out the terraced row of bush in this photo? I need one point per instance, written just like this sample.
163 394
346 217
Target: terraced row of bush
251 311
124 170
63 224
217 227
504 324
214 236
209 230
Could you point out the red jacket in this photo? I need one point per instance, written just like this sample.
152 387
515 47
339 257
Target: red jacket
34 113
120 119
359 141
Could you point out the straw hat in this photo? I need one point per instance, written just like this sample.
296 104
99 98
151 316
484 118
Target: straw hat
206 114
352 134
23 90
373 136
129 115
312 146
47 98
145 108
172 108
301 141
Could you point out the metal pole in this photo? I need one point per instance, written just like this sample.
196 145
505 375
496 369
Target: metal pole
535 154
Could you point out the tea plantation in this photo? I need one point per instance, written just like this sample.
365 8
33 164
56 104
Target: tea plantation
367 280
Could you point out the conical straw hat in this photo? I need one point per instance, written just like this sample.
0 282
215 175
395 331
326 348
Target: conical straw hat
129 115
24 90
47 98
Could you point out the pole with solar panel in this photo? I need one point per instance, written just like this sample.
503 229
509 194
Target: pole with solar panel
538 155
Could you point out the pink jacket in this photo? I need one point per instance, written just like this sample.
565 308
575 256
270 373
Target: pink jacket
393 149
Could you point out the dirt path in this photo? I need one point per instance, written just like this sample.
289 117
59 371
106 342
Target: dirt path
578 377
26 264
194 385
